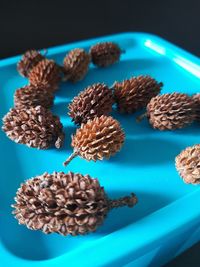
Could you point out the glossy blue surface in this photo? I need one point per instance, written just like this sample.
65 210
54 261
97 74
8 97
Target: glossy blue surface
164 223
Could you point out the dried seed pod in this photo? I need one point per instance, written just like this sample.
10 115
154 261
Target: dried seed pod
46 73
76 64
32 96
64 203
188 164
135 93
170 111
29 60
97 139
95 100
196 99
105 54
35 127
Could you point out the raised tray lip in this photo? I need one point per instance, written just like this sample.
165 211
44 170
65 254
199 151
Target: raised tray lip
155 227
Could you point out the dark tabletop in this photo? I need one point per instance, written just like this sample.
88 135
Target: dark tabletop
28 24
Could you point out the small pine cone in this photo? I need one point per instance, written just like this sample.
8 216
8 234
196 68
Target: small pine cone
35 127
46 73
32 96
95 100
188 164
105 54
99 138
135 93
171 111
67 204
196 99
29 60
76 64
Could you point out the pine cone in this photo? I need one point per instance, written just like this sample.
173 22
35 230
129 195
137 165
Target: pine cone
32 96
171 111
188 164
35 127
135 93
105 54
99 138
95 100
29 60
76 64
64 203
46 73
196 99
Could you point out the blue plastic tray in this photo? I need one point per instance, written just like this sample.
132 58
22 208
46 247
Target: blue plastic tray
166 220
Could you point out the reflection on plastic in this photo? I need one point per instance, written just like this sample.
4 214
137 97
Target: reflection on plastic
157 48
188 65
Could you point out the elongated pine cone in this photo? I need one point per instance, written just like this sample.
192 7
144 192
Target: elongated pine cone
76 64
32 96
46 73
29 60
188 164
97 139
95 100
105 54
135 93
171 111
35 127
64 203
196 99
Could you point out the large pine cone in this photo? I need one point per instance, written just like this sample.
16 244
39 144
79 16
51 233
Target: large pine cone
95 100
32 96
97 139
64 203
46 73
188 164
30 59
35 127
171 111
135 93
105 54
196 99
76 64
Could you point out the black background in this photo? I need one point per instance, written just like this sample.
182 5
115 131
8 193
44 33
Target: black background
41 24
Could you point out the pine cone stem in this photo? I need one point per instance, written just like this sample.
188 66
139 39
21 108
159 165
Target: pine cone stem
129 201
71 157
141 117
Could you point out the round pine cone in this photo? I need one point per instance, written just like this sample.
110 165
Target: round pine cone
32 96
35 127
171 111
46 73
135 93
76 64
30 59
99 138
105 54
196 99
188 164
95 100
64 203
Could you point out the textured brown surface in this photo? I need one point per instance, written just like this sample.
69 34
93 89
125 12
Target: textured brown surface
196 99
64 203
76 64
30 59
31 96
95 100
105 54
135 93
188 164
171 111
36 127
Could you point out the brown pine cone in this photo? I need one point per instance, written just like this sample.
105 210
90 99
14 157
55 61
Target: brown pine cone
46 73
76 64
188 164
135 93
32 96
35 127
64 203
105 54
196 99
171 111
99 138
95 100
29 60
